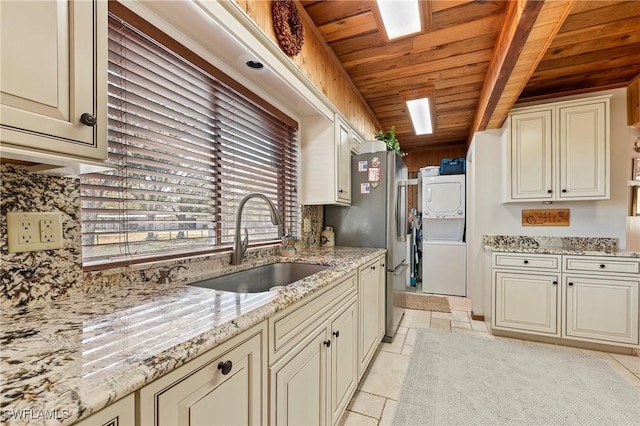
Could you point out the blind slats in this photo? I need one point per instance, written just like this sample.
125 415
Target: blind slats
187 148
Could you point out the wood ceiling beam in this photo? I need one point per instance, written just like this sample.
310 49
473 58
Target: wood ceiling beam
528 28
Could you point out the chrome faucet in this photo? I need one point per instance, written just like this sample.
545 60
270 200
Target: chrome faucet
240 245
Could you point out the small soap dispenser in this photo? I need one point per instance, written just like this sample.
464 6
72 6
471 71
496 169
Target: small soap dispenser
327 237
288 245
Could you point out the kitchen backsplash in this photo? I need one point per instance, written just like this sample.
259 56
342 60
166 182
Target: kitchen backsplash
41 276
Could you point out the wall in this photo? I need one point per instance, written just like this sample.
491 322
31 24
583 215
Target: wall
487 215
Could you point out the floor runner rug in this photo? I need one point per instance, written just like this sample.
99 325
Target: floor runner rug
459 379
427 303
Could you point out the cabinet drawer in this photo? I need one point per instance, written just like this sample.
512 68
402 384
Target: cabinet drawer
288 327
526 261
606 265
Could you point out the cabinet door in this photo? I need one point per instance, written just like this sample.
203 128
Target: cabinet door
344 352
531 156
526 302
211 395
584 161
369 304
343 161
601 309
298 383
53 59
382 289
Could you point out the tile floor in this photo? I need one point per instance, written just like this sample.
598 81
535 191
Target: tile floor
374 402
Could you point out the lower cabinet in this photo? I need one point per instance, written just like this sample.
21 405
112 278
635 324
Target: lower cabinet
371 306
120 413
592 299
226 386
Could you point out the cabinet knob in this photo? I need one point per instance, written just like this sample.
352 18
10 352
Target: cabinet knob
564 190
88 119
570 284
225 367
555 283
340 191
526 262
602 266
327 343
373 268
549 191
336 333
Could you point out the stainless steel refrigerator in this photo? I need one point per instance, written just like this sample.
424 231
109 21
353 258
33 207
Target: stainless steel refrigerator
377 217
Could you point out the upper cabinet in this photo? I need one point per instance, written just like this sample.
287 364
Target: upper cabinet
559 151
326 161
633 102
53 79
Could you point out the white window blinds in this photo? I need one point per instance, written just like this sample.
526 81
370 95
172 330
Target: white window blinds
187 148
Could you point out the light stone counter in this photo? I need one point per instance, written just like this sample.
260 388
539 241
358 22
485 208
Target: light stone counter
72 357
583 246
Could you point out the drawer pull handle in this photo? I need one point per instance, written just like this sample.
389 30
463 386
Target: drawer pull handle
336 333
526 262
225 367
602 266
555 282
570 284
88 119
327 343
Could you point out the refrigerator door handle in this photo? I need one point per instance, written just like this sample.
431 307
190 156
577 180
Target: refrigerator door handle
401 212
400 268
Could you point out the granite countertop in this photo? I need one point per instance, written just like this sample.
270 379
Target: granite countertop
77 355
582 246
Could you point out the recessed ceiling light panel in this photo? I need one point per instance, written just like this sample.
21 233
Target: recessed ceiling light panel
420 113
400 17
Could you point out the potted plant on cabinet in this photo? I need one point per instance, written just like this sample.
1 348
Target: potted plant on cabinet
389 138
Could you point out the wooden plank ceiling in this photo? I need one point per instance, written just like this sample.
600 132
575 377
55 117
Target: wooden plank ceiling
481 57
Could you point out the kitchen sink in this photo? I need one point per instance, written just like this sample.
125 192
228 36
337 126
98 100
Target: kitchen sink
261 278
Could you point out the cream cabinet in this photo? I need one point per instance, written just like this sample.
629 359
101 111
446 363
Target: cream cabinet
121 412
313 371
224 386
371 307
586 298
525 293
601 299
559 151
53 80
326 161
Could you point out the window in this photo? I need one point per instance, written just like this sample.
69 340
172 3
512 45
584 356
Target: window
187 146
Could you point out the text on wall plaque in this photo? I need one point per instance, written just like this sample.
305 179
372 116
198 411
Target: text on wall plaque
545 217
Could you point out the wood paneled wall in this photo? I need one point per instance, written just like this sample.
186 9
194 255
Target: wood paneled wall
318 62
415 160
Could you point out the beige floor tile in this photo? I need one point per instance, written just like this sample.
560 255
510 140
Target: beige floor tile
461 324
367 404
459 303
625 373
350 418
632 363
407 350
453 316
388 413
416 319
395 346
411 337
402 330
441 324
385 375
479 326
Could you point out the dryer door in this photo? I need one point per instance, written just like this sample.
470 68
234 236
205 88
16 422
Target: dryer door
443 198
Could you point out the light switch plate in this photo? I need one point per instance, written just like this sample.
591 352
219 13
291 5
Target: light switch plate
28 231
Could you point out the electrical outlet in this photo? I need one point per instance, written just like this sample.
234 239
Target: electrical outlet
306 225
27 231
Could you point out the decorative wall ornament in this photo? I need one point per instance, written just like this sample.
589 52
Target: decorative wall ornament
288 26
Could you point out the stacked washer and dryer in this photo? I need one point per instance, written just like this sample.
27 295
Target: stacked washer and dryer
442 202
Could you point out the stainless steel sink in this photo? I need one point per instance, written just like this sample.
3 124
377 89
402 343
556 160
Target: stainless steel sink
261 278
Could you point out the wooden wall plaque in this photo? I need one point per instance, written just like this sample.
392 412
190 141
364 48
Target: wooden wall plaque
545 217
